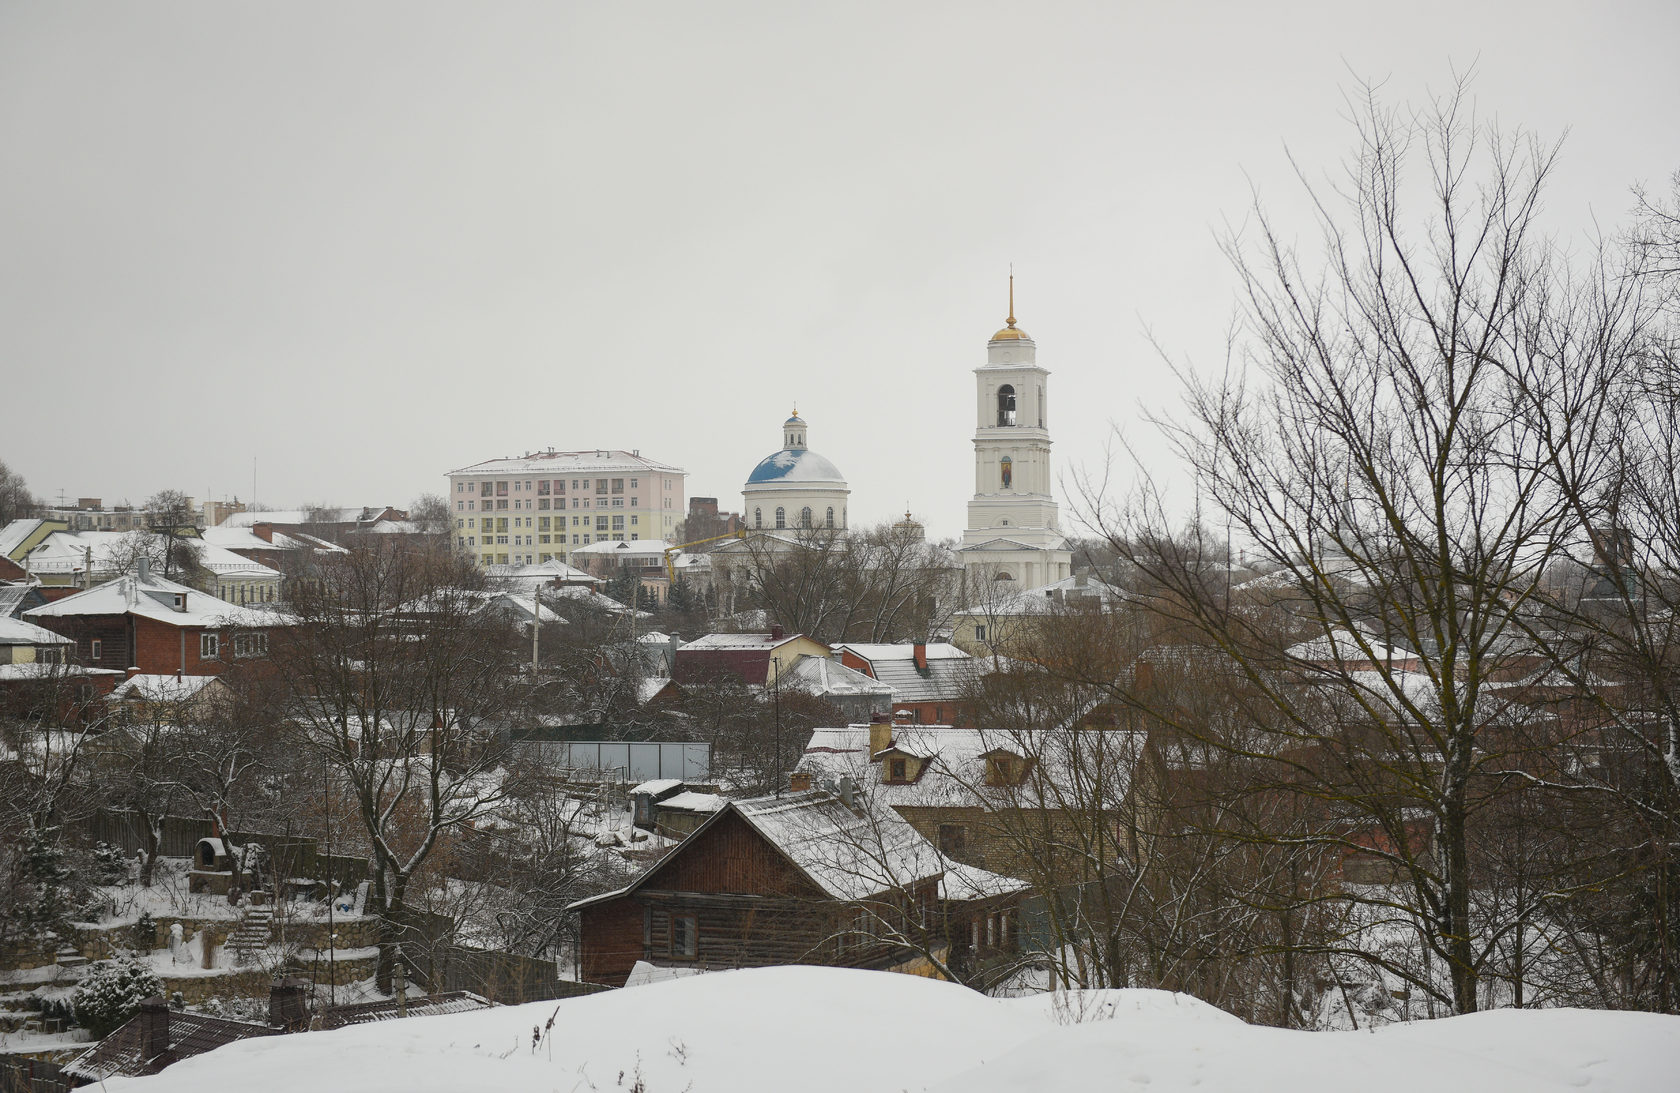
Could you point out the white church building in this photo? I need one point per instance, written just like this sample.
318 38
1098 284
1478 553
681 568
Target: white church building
795 488
1013 534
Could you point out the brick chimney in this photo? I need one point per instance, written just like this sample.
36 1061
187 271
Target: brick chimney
776 632
799 781
154 1027
288 1004
919 652
264 531
880 736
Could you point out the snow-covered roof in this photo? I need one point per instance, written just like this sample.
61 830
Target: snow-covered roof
690 801
13 673
474 601
65 552
850 856
161 688
949 675
589 596
153 597
233 538
540 572
14 533
656 786
335 515
593 462
792 466
626 549
824 676
13 595
969 882
956 771
1340 646
737 642
18 632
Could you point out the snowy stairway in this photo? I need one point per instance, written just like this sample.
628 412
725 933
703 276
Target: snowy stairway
252 934
70 958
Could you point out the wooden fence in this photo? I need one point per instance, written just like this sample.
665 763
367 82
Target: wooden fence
21 1074
291 855
507 978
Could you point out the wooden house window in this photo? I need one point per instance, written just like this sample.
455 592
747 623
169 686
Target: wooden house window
685 937
897 770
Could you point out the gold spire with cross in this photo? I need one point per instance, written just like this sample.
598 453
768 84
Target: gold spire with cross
1011 332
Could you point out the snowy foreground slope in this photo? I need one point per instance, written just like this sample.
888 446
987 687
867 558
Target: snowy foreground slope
830 1029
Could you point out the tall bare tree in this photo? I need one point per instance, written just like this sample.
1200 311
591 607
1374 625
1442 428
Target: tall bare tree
1384 449
398 678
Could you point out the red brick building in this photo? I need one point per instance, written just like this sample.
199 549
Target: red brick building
158 626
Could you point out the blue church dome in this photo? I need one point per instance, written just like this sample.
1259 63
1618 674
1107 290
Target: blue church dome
795 465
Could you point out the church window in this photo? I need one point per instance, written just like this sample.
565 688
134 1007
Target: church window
1008 467
758 518
1003 575
831 516
805 517
1041 406
781 517
1006 405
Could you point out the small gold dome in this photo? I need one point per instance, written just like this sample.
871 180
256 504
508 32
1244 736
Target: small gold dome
1011 333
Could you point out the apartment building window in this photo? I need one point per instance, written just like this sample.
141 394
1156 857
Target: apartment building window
527 485
542 523
501 540
469 506
501 489
460 540
559 485
543 539
501 523
460 506
600 523
501 559
574 521
460 523
542 502
618 485
632 502
489 559
586 540
574 540
633 520
618 523
574 502
472 540
469 521
96 649
634 536
632 483
574 485
516 487
618 502
208 646
486 488
600 485
254 644
501 505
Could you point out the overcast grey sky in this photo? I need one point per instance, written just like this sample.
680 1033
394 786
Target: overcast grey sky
367 243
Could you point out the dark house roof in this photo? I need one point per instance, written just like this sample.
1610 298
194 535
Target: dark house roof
368 1012
124 1054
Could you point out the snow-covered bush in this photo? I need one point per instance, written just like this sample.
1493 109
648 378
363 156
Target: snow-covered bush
111 993
110 864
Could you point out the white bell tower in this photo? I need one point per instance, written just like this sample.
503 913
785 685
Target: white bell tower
1013 534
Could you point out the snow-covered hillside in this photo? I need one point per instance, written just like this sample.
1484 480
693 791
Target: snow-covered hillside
815 1029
